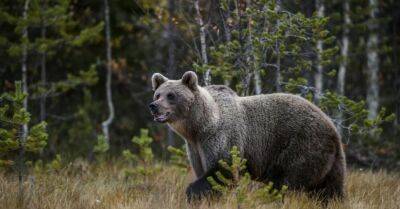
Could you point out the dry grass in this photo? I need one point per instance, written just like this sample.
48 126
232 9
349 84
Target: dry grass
105 187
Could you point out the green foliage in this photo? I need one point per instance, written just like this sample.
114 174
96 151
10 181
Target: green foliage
241 39
142 162
101 148
88 35
102 145
179 158
83 78
13 116
266 39
355 114
239 185
54 165
268 194
143 142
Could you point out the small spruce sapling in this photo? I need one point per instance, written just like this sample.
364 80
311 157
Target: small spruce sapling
53 166
239 183
143 161
179 158
101 148
13 116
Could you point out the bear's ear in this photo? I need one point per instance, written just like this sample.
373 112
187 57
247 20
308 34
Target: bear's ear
157 79
190 80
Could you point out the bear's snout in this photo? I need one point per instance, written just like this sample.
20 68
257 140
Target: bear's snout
153 108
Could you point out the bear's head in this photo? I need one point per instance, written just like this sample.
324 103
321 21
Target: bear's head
173 98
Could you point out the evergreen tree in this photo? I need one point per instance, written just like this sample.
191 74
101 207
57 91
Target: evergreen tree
14 147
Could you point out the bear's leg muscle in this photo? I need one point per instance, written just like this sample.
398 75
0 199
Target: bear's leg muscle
332 186
195 160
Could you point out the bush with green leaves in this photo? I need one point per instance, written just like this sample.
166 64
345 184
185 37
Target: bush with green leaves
238 184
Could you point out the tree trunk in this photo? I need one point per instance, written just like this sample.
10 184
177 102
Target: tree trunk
171 40
396 53
344 53
24 128
203 45
319 74
106 123
372 62
250 54
43 68
278 77
257 82
227 32
171 57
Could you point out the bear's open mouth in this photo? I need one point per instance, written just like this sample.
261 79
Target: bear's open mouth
161 118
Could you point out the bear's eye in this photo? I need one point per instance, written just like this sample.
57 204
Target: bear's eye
157 96
170 96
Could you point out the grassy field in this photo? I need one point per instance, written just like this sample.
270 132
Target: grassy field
84 186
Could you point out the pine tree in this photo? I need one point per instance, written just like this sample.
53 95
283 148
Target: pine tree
14 146
143 161
275 41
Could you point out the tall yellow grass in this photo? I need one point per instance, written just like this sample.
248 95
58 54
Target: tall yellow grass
105 187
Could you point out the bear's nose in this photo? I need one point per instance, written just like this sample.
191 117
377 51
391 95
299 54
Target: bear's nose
153 107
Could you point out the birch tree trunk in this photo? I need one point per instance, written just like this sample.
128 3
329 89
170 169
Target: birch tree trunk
227 33
24 128
106 123
372 62
278 77
203 45
251 55
257 82
344 49
344 53
319 74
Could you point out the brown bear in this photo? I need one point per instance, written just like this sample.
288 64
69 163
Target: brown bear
285 138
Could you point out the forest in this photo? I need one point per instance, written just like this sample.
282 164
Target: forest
75 84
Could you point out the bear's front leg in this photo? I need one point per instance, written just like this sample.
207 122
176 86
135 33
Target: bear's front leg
199 189
202 188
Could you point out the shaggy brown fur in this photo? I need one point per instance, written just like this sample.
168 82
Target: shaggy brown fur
285 138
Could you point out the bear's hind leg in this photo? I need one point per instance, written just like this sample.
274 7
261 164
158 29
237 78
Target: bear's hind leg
275 175
332 185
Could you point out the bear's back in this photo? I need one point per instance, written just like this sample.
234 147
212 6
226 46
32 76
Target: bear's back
220 91
285 112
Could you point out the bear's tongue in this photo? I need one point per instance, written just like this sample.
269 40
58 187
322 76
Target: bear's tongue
160 118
